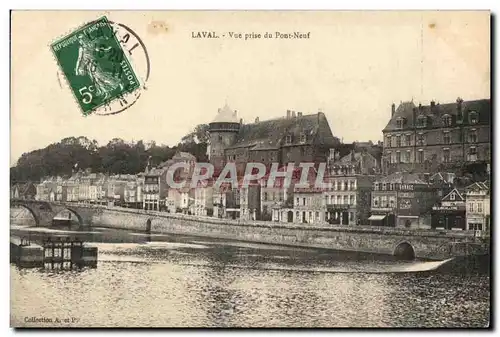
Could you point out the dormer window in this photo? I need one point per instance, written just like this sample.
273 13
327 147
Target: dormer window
421 121
400 122
288 139
447 120
473 117
302 137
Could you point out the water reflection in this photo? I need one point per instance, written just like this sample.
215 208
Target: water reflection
170 280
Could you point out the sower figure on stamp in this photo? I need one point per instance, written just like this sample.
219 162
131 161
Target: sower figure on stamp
105 82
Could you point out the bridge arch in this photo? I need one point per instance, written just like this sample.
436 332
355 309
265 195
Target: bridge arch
32 212
72 211
404 250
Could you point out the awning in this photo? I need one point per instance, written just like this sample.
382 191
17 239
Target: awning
377 217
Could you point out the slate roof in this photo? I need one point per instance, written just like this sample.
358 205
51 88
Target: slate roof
477 186
183 156
24 188
402 178
448 177
459 196
435 116
155 172
271 134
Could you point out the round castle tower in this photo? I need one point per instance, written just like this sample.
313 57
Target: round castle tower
223 130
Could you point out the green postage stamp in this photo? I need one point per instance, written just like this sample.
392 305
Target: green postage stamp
95 65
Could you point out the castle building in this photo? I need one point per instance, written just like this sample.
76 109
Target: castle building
293 138
438 136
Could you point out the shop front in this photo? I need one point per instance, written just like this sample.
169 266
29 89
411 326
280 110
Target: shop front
382 217
448 217
338 214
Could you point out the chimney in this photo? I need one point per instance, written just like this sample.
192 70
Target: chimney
241 121
293 113
393 109
419 107
459 106
288 114
414 116
299 114
256 119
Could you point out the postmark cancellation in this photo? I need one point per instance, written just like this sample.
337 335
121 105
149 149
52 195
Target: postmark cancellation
95 66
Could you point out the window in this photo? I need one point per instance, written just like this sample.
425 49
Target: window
326 199
302 137
388 142
383 201
472 156
398 141
332 199
400 122
421 121
346 186
480 207
346 201
389 157
407 156
265 196
471 207
420 139
375 187
383 187
289 139
446 155
297 201
420 156
317 215
452 196
447 120
473 136
391 201
398 157
375 202
353 185
303 201
351 200
408 140
446 137
473 117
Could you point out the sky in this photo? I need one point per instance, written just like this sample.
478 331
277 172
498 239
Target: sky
352 68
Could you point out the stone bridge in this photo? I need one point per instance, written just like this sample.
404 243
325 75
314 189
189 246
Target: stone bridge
408 243
44 212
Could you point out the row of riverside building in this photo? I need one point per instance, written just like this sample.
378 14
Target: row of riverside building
413 179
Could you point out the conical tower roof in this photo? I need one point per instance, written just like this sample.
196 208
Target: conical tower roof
226 115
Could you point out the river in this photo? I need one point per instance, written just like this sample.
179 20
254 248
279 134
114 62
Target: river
180 281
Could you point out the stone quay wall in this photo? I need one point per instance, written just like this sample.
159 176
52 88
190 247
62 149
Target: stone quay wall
430 244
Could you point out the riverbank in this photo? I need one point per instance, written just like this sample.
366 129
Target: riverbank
428 244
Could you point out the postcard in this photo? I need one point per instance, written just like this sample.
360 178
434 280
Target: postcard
255 169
